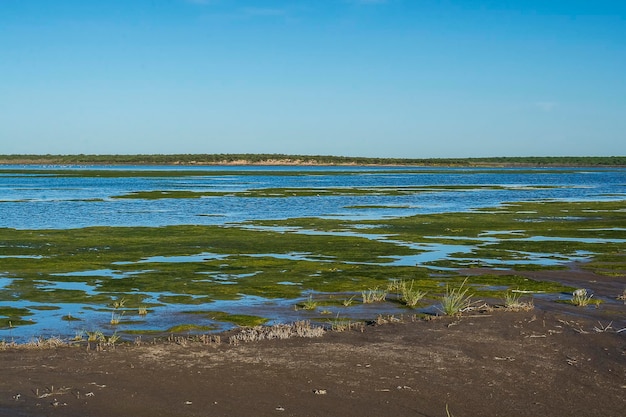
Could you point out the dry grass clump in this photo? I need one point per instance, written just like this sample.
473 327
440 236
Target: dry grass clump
41 343
4 345
389 318
339 324
277 331
38 343
513 302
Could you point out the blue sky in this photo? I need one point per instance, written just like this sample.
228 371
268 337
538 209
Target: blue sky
377 78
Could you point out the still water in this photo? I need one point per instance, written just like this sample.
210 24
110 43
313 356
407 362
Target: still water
46 200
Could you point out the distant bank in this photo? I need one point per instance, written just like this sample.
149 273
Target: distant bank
280 159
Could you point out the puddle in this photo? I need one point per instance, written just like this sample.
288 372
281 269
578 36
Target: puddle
570 239
200 257
431 253
73 286
227 279
294 256
105 273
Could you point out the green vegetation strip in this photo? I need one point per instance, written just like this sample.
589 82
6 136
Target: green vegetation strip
305 192
277 159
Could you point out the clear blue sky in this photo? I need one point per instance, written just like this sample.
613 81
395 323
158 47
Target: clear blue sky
378 78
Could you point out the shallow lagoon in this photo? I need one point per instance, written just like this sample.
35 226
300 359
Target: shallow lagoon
258 241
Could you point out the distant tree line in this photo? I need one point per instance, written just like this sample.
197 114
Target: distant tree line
282 159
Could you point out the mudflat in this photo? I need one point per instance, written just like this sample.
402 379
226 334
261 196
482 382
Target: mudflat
554 360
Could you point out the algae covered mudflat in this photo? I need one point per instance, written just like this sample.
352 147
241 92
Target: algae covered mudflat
195 277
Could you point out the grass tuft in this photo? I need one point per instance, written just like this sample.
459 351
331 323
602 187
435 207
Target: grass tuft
348 301
410 296
513 302
116 318
455 300
309 304
375 295
581 297
277 331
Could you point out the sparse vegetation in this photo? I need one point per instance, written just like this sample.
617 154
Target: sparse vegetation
340 324
277 331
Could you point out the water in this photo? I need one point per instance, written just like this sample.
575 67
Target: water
46 200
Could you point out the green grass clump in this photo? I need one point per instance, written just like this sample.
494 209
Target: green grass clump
455 300
408 294
308 304
69 317
375 295
581 298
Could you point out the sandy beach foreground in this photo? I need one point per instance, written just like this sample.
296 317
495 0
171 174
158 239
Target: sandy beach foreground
555 360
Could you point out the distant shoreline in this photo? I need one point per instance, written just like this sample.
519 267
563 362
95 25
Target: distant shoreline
309 160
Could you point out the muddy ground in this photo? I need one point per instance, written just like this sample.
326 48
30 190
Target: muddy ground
555 360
